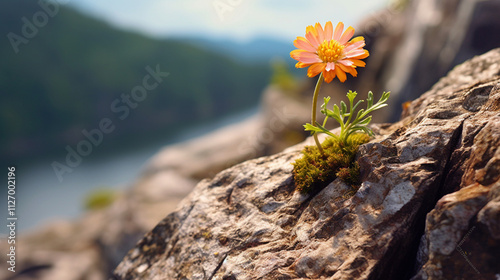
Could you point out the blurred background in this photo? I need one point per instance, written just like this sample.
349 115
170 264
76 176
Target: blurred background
112 111
63 66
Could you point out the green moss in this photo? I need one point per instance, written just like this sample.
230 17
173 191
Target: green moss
99 199
282 77
313 171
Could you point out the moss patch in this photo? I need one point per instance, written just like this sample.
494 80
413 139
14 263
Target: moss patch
313 171
99 199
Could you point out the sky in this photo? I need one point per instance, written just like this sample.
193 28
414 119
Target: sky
239 20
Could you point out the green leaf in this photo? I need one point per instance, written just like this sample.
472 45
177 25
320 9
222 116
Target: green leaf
324 110
361 121
338 118
359 115
343 109
351 95
361 128
365 121
325 104
369 100
317 129
328 113
356 106
312 128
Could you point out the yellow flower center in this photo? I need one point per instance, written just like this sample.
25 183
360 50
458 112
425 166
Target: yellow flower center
330 51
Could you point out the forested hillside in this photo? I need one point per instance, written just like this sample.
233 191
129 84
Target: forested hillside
62 72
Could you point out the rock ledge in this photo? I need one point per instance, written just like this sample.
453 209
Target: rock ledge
428 208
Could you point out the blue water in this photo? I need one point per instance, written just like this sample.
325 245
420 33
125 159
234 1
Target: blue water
42 198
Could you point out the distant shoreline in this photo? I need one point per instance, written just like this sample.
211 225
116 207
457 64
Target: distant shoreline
43 199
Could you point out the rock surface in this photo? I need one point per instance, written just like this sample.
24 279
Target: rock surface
90 247
428 207
173 172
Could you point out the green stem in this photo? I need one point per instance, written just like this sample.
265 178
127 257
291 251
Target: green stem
345 130
313 115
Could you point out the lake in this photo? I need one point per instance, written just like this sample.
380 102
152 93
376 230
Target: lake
41 198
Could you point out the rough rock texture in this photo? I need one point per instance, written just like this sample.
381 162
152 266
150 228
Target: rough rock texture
173 172
249 222
92 246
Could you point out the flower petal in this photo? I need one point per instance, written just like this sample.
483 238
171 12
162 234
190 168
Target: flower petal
349 69
344 67
338 31
304 56
365 54
340 74
355 53
310 28
353 72
315 69
356 39
330 66
329 75
328 31
345 62
295 54
358 62
347 35
303 43
313 39
356 45
320 32
307 57
301 65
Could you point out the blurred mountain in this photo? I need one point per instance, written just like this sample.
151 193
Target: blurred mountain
62 72
257 50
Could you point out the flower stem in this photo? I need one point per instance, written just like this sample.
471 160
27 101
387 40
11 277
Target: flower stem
313 115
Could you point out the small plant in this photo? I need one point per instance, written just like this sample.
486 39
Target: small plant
99 199
331 53
360 123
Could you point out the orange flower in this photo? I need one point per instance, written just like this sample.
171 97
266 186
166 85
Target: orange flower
329 51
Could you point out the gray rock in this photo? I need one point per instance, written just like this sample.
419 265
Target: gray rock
250 223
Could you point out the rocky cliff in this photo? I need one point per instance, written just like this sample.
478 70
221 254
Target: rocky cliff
412 45
428 207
